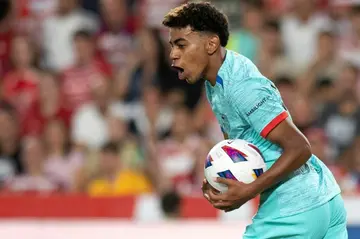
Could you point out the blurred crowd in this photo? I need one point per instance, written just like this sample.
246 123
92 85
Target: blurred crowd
90 104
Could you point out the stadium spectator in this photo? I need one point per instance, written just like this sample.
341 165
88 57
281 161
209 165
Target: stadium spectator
115 40
350 43
130 152
10 148
58 33
34 178
31 14
347 81
112 180
89 127
87 72
48 106
178 153
62 161
325 63
170 205
247 39
287 89
300 30
20 86
270 57
341 122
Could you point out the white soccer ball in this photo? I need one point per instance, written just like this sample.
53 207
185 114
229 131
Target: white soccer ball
233 159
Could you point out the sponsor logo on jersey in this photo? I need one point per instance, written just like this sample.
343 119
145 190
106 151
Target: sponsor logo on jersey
257 106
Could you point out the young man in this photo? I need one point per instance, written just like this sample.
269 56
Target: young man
299 196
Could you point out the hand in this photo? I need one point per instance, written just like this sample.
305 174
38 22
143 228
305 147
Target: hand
238 194
206 188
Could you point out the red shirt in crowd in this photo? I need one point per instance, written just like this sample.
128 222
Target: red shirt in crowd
35 121
20 88
78 81
115 47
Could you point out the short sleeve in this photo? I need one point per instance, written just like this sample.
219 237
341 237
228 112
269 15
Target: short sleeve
260 105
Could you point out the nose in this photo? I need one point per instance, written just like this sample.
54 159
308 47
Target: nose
174 54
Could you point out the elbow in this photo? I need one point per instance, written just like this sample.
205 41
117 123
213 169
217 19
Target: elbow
301 151
306 152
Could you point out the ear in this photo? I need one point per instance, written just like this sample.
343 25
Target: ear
213 44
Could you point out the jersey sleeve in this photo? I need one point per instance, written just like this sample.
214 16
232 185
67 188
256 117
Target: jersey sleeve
260 105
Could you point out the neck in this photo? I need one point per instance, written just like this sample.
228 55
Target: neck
214 66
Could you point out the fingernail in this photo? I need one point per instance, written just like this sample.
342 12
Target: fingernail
207 196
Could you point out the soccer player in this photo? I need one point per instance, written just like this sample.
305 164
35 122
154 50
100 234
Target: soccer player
299 197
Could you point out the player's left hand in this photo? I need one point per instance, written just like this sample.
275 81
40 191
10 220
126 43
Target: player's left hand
238 194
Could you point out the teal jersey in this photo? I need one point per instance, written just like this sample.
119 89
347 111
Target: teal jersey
248 106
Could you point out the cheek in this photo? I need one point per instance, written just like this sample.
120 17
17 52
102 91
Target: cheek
196 59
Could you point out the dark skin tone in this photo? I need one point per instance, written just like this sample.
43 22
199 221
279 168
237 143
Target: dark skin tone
200 56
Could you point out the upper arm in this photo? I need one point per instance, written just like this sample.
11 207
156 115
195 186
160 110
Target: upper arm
263 109
260 105
288 136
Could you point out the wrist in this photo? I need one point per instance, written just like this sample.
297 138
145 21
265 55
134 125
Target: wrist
255 189
261 184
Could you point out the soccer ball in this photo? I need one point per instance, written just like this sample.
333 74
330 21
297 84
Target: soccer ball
233 159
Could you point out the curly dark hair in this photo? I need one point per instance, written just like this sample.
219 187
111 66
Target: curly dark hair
201 17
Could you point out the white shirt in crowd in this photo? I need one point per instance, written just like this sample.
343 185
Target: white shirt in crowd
58 37
300 39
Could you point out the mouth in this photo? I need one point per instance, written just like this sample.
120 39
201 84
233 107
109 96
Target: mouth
180 71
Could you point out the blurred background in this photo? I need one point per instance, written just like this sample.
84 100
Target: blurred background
95 124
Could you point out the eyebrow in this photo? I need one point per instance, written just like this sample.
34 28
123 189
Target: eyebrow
177 40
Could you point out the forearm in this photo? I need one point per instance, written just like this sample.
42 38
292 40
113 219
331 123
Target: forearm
289 161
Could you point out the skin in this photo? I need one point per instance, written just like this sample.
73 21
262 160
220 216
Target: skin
200 55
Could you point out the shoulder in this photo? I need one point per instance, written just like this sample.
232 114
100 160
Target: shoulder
238 69
251 86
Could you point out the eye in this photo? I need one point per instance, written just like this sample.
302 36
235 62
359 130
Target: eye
181 46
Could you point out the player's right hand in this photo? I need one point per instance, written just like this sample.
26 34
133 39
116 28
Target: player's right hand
206 188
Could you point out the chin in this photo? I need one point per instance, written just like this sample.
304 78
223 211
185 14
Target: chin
192 80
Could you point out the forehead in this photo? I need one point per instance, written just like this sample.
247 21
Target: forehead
183 33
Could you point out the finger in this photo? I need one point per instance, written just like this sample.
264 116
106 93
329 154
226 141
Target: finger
204 186
214 190
217 196
207 197
222 204
225 181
